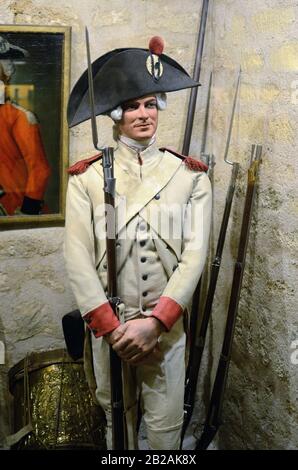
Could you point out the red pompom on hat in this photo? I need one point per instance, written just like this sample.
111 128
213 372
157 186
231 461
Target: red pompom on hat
156 45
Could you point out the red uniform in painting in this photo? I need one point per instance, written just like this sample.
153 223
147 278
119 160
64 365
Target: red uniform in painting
24 170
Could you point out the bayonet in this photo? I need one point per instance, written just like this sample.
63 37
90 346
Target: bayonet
196 77
91 93
232 121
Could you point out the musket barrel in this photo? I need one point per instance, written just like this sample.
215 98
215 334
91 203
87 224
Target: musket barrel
118 420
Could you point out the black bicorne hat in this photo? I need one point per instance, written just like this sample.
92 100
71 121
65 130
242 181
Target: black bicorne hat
125 74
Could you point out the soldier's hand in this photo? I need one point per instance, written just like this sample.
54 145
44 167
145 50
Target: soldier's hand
139 339
151 358
115 335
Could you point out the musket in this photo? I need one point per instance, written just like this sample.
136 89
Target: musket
119 437
186 143
213 420
190 119
198 338
189 393
196 77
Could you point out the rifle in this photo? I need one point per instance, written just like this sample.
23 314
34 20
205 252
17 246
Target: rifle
190 119
185 151
213 420
118 420
199 338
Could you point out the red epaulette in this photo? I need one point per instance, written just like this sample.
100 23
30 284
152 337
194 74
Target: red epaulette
81 166
191 162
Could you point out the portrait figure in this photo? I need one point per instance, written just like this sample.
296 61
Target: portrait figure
33 150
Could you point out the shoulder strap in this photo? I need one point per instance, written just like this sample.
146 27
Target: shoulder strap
191 162
81 166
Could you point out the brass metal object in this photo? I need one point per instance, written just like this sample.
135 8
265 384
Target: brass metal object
53 405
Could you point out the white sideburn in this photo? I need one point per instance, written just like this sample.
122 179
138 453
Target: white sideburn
161 99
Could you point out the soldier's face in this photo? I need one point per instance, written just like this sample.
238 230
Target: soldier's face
140 118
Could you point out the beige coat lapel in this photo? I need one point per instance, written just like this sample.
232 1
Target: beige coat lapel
133 195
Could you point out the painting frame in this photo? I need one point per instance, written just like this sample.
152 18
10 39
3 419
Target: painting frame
51 53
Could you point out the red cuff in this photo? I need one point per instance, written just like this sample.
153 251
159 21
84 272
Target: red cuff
101 320
167 311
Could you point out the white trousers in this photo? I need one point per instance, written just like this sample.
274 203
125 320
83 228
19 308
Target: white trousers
160 385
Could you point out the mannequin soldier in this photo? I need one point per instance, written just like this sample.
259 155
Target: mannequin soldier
163 206
24 170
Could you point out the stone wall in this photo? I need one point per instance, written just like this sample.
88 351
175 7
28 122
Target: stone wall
260 410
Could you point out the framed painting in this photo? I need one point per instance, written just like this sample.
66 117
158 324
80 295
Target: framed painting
34 89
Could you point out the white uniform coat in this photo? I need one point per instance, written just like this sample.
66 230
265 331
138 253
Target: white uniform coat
173 200
175 203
